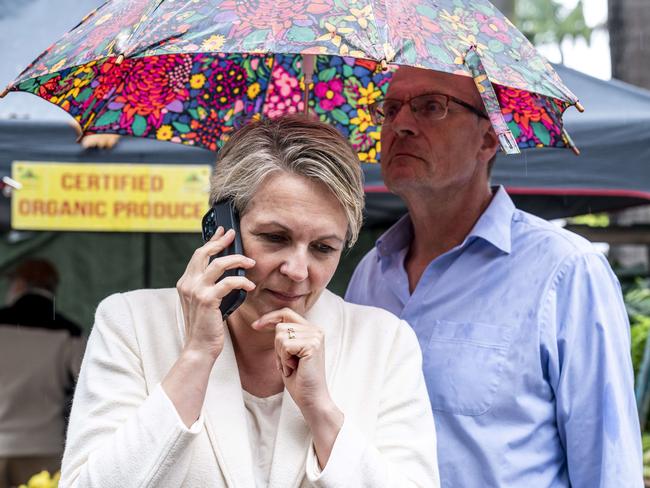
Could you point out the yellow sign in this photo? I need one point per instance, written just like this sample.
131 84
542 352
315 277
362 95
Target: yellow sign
109 197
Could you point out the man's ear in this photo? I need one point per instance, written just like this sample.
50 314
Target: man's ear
490 143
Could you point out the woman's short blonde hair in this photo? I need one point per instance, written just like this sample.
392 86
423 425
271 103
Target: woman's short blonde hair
294 144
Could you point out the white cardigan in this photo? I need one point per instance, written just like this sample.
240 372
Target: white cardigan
125 432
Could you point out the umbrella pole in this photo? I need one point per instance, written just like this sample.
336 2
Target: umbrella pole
308 63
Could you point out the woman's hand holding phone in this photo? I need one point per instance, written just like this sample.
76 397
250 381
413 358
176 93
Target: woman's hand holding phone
201 292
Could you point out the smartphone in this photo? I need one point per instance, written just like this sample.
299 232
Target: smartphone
223 213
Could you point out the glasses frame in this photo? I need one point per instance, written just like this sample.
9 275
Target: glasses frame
380 119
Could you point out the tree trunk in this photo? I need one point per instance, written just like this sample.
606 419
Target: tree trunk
629 42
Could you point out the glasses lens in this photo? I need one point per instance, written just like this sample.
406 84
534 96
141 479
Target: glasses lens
429 107
376 110
391 109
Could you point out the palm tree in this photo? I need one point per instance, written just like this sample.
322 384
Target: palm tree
549 22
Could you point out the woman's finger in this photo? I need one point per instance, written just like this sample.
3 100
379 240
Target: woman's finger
230 283
220 265
288 357
215 245
271 319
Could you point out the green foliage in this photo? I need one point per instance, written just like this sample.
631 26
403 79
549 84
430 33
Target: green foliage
550 22
646 455
637 298
639 330
592 220
637 303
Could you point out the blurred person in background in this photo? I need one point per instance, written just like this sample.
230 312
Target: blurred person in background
40 357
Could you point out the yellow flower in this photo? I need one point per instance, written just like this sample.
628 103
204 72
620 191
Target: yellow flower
362 120
333 34
453 20
58 65
84 69
368 157
41 480
164 133
368 95
253 90
103 19
77 85
197 81
460 57
360 15
213 43
471 40
479 83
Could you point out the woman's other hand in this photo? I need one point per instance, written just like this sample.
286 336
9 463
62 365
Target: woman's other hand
300 357
201 294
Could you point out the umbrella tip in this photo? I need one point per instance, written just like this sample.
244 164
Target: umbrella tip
4 92
580 107
119 59
575 150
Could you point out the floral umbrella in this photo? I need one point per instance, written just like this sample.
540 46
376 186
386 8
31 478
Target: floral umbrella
190 71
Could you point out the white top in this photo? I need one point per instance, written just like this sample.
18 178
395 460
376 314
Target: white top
263 418
124 432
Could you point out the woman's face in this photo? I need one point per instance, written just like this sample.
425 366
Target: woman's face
295 230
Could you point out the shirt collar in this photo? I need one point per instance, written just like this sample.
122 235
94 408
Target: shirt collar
396 238
494 226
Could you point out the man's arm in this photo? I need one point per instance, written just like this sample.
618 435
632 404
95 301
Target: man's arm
586 330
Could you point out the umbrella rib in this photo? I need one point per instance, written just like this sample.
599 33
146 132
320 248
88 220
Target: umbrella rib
155 5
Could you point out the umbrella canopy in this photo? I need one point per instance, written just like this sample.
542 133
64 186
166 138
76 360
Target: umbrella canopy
192 71
611 172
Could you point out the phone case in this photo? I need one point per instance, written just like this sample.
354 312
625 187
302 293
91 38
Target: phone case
224 213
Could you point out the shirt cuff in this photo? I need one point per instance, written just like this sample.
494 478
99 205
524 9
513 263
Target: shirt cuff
344 459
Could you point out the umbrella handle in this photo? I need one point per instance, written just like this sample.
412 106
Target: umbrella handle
492 107
308 64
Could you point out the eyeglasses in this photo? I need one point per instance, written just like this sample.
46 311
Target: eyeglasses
426 108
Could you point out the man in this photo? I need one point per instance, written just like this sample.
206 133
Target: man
523 330
40 357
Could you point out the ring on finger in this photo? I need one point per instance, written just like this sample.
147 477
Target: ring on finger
292 333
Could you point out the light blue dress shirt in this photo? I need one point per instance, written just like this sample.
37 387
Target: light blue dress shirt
526 353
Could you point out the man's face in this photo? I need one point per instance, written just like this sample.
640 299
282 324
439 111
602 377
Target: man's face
441 155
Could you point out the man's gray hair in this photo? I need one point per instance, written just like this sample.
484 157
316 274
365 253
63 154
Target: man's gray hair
293 144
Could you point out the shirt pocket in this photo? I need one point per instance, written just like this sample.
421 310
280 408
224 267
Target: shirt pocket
464 365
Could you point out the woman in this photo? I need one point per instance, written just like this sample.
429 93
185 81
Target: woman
296 388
